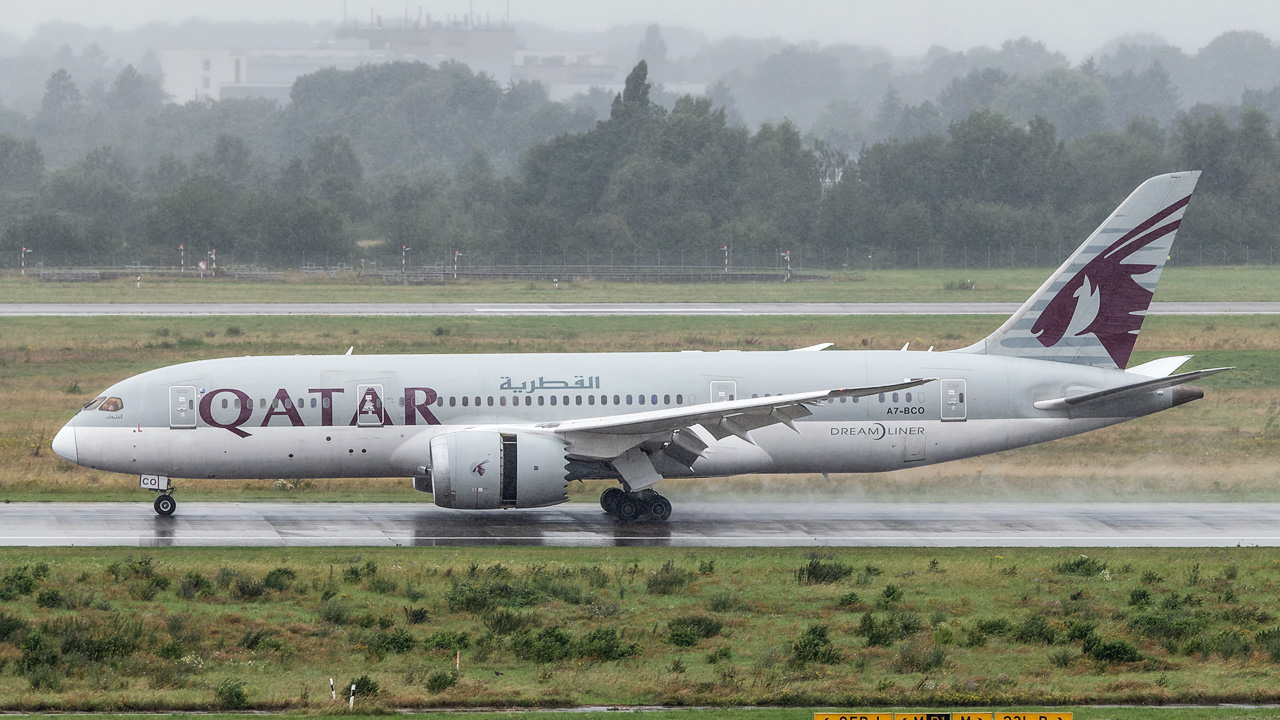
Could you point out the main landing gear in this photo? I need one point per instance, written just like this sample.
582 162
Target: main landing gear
643 506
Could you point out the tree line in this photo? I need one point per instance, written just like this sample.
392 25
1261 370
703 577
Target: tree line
365 163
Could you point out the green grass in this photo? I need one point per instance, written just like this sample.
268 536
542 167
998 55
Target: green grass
1245 283
1080 713
1220 448
121 629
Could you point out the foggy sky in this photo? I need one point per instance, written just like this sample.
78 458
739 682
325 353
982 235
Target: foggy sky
1075 28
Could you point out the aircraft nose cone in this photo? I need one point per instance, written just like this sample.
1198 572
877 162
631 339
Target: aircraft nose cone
64 443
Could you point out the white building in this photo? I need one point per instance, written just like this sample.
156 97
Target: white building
219 73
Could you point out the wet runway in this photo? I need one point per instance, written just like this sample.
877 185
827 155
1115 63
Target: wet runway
700 524
567 309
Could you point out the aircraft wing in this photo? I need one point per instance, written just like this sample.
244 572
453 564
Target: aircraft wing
608 436
1073 401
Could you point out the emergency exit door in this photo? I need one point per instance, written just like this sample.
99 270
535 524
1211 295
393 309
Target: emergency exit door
182 406
722 390
954 406
370 412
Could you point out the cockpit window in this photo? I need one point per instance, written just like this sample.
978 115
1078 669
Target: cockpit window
111 404
94 402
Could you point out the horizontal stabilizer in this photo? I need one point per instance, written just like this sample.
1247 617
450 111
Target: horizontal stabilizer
1163 367
1074 401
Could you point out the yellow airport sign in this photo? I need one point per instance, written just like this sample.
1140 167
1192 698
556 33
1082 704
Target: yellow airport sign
853 716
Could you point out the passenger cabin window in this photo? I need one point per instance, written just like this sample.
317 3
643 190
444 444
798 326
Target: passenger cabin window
94 403
112 404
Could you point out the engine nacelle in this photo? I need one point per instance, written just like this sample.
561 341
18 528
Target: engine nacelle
486 470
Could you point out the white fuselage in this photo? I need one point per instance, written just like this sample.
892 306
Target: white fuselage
373 416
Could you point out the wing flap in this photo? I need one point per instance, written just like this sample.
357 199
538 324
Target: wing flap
754 411
612 435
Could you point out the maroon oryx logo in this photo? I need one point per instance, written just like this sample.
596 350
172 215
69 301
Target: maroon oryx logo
1111 279
478 468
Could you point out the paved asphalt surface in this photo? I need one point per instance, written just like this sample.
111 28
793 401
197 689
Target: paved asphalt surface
482 309
701 524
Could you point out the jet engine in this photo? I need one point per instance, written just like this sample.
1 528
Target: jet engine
486 470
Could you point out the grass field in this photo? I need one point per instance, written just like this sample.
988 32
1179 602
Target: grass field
1220 448
1246 283
198 629
1232 712
194 629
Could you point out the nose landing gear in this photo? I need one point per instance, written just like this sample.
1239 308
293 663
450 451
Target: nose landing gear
164 504
643 506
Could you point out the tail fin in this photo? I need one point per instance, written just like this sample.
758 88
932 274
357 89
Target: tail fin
1090 310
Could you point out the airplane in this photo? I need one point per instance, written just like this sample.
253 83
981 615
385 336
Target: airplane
513 430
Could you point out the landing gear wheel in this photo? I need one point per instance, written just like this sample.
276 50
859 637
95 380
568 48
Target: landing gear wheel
626 508
165 505
609 500
658 508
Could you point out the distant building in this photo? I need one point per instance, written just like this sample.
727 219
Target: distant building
193 74
219 74
564 73
490 48
483 47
